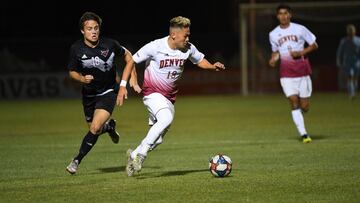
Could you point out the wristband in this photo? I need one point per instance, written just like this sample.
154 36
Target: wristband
123 83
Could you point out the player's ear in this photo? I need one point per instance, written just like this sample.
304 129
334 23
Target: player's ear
82 31
172 35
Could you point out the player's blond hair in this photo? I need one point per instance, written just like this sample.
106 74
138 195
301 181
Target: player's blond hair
180 22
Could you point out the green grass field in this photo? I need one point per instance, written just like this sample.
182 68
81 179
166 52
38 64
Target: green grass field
270 164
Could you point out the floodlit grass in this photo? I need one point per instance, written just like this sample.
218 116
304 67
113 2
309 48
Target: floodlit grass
270 164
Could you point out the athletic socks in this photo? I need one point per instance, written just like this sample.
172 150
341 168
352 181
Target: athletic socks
164 118
299 121
86 145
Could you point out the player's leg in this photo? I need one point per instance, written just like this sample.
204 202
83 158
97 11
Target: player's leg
356 81
292 91
163 111
97 112
160 139
90 139
351 83
305 94
107 102
89 109
164 119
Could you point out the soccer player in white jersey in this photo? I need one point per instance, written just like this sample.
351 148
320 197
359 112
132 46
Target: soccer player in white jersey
287 42
165 59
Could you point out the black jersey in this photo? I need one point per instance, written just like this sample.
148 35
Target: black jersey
98 62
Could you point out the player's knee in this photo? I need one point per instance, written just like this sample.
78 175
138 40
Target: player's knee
95 128
305 108
165 117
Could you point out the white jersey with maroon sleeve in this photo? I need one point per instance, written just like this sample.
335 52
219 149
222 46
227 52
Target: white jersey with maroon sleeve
164 66
292 38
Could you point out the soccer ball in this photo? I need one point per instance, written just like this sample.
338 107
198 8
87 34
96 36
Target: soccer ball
220 165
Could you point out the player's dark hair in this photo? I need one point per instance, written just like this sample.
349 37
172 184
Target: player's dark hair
283 6
89 16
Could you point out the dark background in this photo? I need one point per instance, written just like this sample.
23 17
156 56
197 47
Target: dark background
35 37
46 30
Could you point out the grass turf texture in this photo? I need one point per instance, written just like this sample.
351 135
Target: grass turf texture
270 163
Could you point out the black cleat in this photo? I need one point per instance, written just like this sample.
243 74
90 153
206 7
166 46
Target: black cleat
112 131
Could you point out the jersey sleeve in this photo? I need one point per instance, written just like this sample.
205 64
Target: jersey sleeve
308 36
274 46
195 55
119 50
144 53
73 64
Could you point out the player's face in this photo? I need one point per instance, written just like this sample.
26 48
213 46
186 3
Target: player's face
284 17
181 39
91 31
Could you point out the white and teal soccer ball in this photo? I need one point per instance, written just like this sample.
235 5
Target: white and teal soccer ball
220 165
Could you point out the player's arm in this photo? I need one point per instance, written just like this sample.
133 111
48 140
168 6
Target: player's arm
339 54
133 81
205 64
81 78
125 76
275 56
304 52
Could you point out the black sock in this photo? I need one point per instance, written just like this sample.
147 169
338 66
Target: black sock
86 145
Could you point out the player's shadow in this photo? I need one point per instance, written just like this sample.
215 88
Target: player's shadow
181 173
169 173
117 169
112 169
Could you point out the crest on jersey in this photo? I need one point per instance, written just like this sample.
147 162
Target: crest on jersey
104 53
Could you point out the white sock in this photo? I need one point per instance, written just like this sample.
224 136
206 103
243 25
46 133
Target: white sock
164 118
299 121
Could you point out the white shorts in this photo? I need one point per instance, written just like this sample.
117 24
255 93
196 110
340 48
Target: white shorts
301 86
154 102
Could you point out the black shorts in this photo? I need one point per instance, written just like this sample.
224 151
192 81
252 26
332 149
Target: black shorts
106 102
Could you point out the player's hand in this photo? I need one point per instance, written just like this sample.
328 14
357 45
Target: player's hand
272 62
296 54
121 95
219 66
275 56
87 79
133 83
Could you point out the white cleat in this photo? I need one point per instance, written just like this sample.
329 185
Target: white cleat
138 162
129 166
72 167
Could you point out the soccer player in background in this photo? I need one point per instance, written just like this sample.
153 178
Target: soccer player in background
92 64
348 59
165 59
287 42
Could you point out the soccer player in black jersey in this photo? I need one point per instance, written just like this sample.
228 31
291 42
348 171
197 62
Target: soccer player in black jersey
92 63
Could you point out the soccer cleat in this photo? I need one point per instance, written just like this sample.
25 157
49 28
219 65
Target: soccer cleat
112 131
306 138
138 162
129 166
72 167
